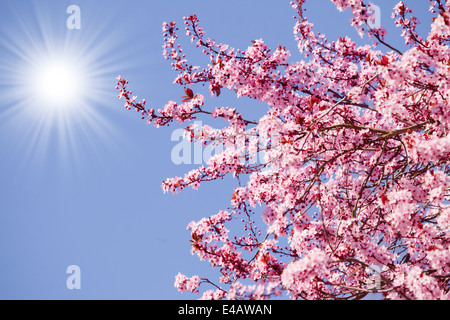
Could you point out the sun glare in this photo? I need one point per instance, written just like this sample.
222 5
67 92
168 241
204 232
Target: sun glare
57 83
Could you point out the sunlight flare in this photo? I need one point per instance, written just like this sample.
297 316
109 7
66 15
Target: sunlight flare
57 83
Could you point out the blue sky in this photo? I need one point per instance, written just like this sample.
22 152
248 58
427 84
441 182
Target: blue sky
82 185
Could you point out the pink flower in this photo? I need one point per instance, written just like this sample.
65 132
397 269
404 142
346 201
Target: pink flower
345 166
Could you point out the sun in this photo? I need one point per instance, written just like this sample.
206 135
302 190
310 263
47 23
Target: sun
58 83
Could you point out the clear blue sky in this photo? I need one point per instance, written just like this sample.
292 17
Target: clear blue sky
83 187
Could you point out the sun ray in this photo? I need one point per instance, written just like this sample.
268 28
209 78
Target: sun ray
56 84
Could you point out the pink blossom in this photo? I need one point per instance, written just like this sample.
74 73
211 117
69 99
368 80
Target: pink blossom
347 168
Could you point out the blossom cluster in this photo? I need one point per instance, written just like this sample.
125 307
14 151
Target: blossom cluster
356 165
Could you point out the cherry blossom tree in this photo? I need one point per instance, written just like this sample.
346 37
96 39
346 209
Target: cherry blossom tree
355 172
